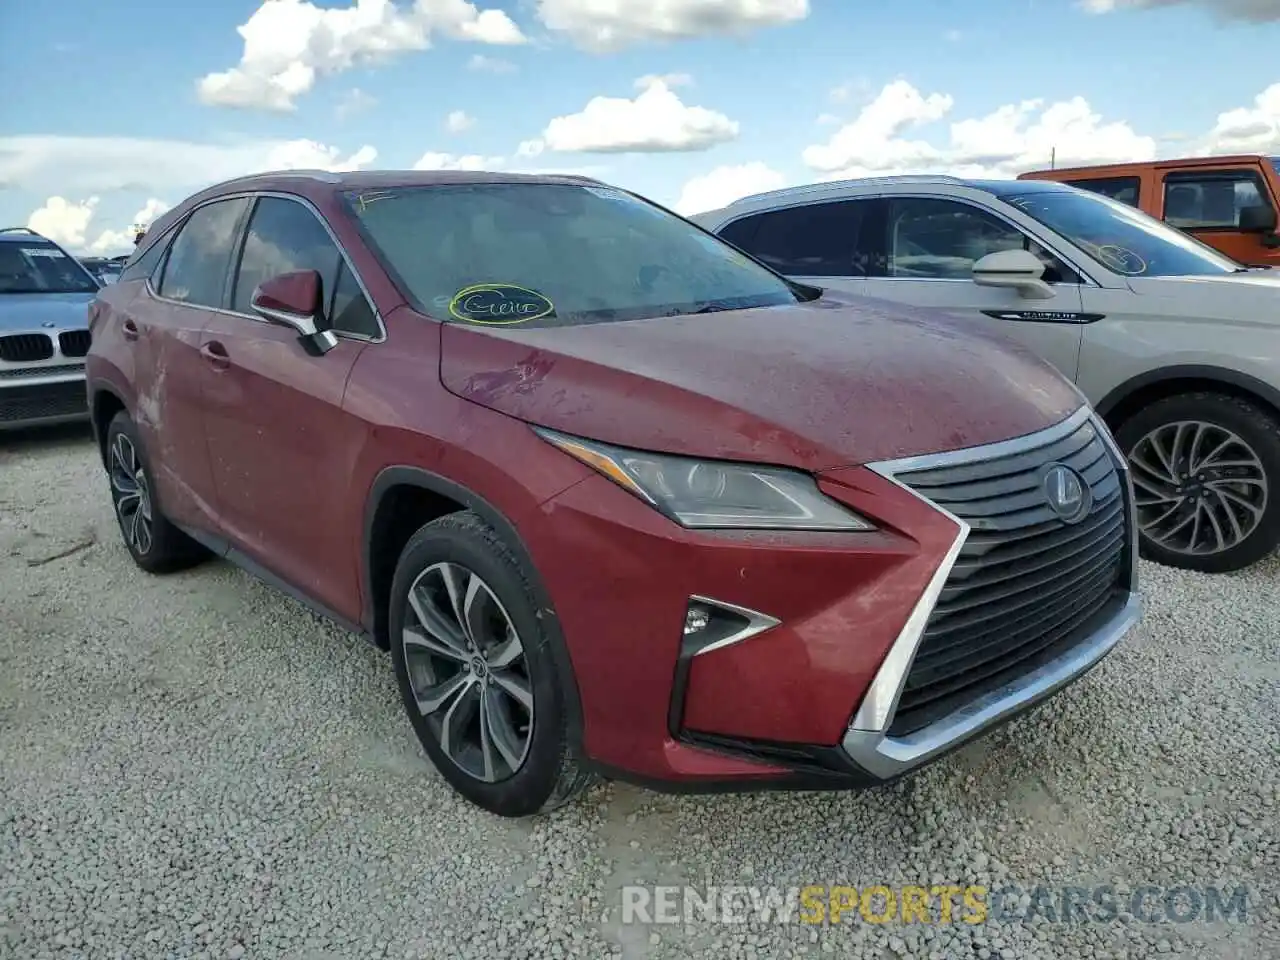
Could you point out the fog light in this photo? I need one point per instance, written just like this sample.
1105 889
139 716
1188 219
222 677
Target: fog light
712 624
696 620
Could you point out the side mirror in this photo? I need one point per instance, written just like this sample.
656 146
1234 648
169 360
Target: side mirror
1258 219
294 300
1018 270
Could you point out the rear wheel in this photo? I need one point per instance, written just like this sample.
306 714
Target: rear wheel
155 544
475 672
1206 475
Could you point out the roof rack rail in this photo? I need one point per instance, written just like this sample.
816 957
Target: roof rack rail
324 176
829 184
19 230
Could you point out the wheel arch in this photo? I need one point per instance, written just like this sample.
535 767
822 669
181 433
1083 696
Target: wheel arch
104 403
1147 388
433 496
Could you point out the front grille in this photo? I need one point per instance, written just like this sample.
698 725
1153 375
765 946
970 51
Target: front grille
58 369
1026 586
43 401
25 347
74 343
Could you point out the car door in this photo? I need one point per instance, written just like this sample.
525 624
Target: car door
930 245
817 243
1206 203
164 322
280 444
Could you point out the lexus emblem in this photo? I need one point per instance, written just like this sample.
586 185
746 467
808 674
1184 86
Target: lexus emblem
1067 493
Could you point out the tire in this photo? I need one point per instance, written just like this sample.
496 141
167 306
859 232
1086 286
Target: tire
530 766
164 548
1248 470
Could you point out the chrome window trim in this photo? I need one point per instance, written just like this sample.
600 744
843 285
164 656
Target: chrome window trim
254 195
866 740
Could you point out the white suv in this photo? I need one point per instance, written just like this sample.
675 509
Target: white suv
1177 346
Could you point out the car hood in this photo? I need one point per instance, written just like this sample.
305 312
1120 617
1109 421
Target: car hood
1251 296
31 311
837 382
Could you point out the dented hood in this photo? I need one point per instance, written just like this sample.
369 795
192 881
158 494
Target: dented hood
837 382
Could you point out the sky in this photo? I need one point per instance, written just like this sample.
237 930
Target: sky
115 111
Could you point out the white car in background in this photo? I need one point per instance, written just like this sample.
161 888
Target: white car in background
1177 346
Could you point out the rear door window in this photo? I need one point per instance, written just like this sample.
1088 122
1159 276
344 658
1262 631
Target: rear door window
196 269
812 240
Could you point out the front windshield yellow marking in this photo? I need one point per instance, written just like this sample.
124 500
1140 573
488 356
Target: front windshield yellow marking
467 294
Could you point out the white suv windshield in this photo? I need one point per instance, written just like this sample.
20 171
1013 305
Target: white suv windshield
1121 238
36 267
548 254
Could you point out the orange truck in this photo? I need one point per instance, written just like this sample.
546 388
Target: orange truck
1229 203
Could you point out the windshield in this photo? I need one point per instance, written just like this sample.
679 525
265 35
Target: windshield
35 267
547 254
1119 237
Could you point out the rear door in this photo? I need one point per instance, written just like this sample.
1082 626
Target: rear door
1206 203
165 323
282 447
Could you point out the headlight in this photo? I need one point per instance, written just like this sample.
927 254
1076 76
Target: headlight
714 494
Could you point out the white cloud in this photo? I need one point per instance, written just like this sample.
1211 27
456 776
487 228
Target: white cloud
353 102
724 185
449 161
1011 139
479 61
67 223
458 120
1255 11
873 138
289 43
309 155
607 25
670 79
656 121
113 242
1254 129
62 221
83 166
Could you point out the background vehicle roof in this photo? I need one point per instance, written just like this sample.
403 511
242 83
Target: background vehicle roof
22 235
834 188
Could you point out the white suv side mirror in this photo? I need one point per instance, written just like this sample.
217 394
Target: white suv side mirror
1019 270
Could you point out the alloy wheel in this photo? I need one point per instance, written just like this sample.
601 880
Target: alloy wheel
1199 488
468 673
132 494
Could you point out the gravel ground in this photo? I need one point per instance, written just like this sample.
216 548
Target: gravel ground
194 766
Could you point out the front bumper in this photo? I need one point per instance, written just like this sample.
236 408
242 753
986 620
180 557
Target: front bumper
42 378
810 700
43 400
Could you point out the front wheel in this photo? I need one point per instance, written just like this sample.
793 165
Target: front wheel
475 671
1206 476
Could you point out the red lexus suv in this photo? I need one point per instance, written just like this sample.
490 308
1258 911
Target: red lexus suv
619 500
